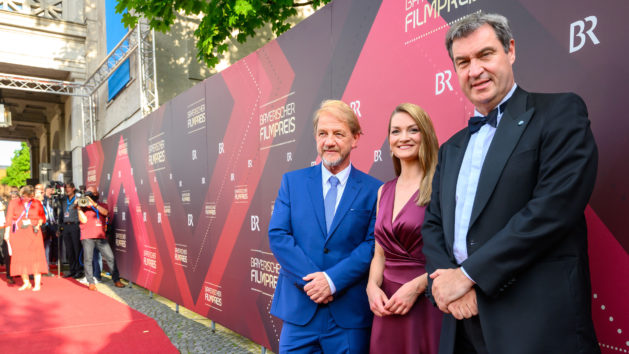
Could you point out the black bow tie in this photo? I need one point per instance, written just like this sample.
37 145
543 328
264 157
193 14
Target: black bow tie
476 122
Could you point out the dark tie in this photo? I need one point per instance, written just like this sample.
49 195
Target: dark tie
330 202
476 122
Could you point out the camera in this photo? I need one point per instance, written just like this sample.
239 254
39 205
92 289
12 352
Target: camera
57 189
85 200
57 193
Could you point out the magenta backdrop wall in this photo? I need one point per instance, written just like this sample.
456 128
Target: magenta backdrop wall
192 185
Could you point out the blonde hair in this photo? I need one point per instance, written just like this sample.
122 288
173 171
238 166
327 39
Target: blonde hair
340 110
428 149
27 191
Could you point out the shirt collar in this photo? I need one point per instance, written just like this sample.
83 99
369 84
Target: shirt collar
507 97
342 176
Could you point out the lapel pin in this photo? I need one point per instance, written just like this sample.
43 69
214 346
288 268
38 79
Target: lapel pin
521 122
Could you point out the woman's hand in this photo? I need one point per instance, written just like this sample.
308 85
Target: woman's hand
377 300
404 298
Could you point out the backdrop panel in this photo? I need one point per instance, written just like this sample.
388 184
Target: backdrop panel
192 185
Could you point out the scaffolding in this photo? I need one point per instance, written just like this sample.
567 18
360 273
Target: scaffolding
141 39
35 84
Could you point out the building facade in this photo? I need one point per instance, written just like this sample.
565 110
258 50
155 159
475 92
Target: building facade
64 43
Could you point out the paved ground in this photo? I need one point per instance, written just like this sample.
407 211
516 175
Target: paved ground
188 331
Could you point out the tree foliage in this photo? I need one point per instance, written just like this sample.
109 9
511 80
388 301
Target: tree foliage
220 19
20 169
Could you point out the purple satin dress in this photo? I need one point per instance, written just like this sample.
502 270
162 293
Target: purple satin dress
418 330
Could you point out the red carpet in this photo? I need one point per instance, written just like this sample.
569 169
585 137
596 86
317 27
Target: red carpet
65 317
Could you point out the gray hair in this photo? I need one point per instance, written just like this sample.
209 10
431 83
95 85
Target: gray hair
472 22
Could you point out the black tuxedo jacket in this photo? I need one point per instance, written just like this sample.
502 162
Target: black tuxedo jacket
527 239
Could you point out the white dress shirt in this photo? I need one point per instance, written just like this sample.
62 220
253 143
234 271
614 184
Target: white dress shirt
343 176
467 182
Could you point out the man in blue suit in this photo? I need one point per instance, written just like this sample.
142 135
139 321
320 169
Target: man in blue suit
321 233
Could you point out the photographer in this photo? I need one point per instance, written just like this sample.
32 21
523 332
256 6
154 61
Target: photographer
49 229
92 216
70 232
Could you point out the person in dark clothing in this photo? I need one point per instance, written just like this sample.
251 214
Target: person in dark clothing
51 208
70 232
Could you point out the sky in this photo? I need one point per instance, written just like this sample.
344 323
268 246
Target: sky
6 151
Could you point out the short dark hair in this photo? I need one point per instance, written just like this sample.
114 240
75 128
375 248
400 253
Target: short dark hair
69 184
472 22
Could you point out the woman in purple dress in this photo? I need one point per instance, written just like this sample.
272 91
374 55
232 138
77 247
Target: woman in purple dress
405 321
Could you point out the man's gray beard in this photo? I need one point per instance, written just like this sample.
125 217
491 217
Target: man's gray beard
333 163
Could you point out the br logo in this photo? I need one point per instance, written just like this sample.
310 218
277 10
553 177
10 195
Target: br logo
255 223
442 80
377 155
576 31
355 106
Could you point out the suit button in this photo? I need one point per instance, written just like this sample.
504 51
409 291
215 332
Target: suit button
472 242
325 250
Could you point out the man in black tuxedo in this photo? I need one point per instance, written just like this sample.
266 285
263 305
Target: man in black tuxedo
505 233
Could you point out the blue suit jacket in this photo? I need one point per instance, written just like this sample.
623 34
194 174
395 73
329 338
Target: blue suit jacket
299 241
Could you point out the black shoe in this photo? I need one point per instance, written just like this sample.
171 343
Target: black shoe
78 275
69 275
10 280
